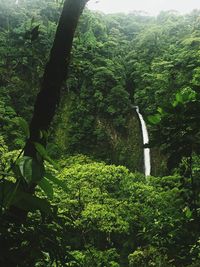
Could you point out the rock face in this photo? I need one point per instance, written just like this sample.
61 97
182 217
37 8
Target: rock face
120 146
104 141
125 146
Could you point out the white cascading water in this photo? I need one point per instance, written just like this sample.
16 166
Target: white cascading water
147 159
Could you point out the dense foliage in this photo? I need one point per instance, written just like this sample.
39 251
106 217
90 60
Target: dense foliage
86 211
106 216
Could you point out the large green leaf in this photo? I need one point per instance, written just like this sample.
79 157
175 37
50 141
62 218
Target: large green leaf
41 150
8 192
31 203
43 153
30 169
56 181
46 187
11 194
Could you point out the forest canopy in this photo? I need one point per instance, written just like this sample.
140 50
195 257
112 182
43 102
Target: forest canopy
84 197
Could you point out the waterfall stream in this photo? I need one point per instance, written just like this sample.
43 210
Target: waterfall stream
147 159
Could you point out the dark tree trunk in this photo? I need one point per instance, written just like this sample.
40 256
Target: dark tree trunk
55 73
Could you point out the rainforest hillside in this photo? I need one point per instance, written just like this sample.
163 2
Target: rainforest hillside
81 197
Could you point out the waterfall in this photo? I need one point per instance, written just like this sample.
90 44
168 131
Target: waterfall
147 159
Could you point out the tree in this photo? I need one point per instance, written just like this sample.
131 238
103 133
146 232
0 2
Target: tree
55 74
176 132
48 97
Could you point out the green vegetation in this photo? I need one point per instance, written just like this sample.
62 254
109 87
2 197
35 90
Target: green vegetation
81 199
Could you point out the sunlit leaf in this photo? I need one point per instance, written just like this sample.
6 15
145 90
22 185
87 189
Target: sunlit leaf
188 212
154 119
179 98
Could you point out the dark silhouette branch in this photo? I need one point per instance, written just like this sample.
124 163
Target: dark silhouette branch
55 73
